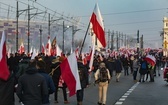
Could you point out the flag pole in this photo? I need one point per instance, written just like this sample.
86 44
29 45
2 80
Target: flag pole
84 38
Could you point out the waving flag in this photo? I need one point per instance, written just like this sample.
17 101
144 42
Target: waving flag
4 71
151 59
48 47
97 25
42 49
69 72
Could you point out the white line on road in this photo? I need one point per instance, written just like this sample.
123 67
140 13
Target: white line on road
121 100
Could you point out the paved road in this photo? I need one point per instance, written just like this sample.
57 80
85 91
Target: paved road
125 92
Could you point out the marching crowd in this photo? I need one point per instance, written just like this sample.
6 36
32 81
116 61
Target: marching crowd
34 80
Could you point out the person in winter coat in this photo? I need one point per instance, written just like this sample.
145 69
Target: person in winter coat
7 91
32 87
84 80
143 69
50 84
118 64
110 64
103 83
135 68
56 73
126 64
23 64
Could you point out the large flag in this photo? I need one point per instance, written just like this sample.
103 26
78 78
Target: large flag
151 59
48 47
4 71
69 72
97 25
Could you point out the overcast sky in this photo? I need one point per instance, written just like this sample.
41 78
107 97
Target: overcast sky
126 16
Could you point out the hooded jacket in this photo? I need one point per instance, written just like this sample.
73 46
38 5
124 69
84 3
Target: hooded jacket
32 87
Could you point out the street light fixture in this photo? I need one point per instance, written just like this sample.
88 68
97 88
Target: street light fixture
73 33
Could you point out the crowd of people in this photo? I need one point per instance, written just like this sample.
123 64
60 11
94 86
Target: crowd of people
34 80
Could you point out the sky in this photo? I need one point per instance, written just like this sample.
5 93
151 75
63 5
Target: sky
125 16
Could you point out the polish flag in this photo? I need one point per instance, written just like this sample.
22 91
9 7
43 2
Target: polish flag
34 54
69 72
97 25
42 49
4 71
92 57
151 59
48 47
59 51
21 49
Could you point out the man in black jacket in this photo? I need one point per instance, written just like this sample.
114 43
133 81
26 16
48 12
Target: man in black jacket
7 91
83 80
32 87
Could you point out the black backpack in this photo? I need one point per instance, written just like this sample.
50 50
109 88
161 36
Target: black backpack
103 76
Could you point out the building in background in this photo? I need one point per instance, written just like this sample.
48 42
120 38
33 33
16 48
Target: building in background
165 36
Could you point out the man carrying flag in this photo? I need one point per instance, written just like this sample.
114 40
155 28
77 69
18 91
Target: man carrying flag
6 81
75 76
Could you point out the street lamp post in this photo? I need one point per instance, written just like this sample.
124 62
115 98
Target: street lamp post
73 34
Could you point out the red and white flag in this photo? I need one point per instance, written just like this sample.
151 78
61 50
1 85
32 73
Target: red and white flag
69 72
151 59
43 48
59 51
4 71
97 25
21 49
48 47
92 57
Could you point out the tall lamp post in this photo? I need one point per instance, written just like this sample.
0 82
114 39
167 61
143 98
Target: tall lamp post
73 34
63 36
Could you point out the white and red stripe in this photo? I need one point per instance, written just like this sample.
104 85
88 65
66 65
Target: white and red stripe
69 72
97 25
4 71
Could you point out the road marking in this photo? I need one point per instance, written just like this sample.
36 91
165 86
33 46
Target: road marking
123 98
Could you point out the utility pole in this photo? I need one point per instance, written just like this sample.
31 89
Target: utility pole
117 39
18 13
73 34
138 43
112 41
49 24
63 39
40 38
108 39
28 33
17 16
141 41
29 18
125 44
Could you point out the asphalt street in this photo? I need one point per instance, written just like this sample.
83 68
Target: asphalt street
124 92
